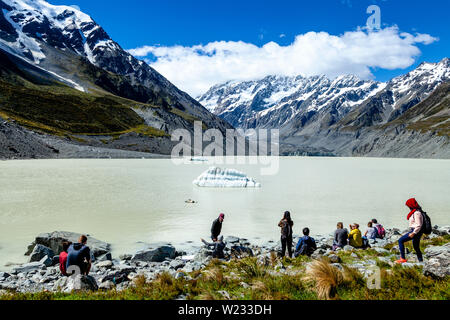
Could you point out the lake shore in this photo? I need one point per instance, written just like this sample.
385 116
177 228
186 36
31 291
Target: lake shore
129 272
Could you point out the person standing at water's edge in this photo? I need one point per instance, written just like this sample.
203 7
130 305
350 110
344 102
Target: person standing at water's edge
286 225
415 219
216 228
80 255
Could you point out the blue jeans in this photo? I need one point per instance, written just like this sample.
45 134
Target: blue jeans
416 244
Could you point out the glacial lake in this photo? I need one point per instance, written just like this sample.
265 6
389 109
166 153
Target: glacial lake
128 202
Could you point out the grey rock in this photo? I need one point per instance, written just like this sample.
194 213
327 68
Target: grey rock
4 275
231 239
334 258
55 239
46 261
80 283
125 257
104 257
433 251
348 248
107 285
155 253
177 264
105 264
438 266
39 252
381 250
28 267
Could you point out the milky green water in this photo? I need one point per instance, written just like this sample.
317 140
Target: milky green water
127 201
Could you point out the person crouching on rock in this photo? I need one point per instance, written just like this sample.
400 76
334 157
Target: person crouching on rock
415 219
63 257
218 246
80 255
216 228
286 225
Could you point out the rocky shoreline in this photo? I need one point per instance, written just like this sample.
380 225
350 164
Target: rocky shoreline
42 273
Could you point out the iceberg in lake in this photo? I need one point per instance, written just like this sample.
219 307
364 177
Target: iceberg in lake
225 178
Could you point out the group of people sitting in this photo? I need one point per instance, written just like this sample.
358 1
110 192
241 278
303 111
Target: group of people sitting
355 238
75 257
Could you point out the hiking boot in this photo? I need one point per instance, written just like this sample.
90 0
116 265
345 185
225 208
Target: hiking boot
401 261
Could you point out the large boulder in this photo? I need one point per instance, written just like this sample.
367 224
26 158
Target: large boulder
438 266
155 253
55 239
76 283
39 252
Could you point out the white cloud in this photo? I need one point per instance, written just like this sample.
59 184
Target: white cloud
195 69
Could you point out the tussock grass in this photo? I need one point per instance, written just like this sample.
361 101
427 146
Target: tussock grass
326 277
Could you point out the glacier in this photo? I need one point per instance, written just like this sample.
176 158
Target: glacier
225 178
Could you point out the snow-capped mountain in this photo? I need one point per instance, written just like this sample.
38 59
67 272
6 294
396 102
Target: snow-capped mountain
46 35
400 94
294 103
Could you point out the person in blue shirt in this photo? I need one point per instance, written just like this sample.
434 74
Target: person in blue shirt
79 255
306 245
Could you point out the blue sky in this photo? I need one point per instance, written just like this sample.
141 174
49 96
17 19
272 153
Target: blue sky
168 23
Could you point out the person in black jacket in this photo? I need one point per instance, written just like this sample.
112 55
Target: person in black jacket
286 225
216 228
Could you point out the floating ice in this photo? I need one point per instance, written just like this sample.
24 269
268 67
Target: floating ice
225 178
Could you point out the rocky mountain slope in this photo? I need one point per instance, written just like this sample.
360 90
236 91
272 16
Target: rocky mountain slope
82 64
345 116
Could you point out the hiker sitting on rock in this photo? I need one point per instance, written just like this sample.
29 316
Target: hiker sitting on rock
340 237
79 255
306 245
355 237
63 257
381 233
218 246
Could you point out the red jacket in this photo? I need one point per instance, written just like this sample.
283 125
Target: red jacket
63 262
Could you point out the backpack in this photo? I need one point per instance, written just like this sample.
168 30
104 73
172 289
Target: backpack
427 227
286 230
380 231
306 249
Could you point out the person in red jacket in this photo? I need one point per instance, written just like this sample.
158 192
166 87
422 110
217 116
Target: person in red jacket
415 219
63 258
